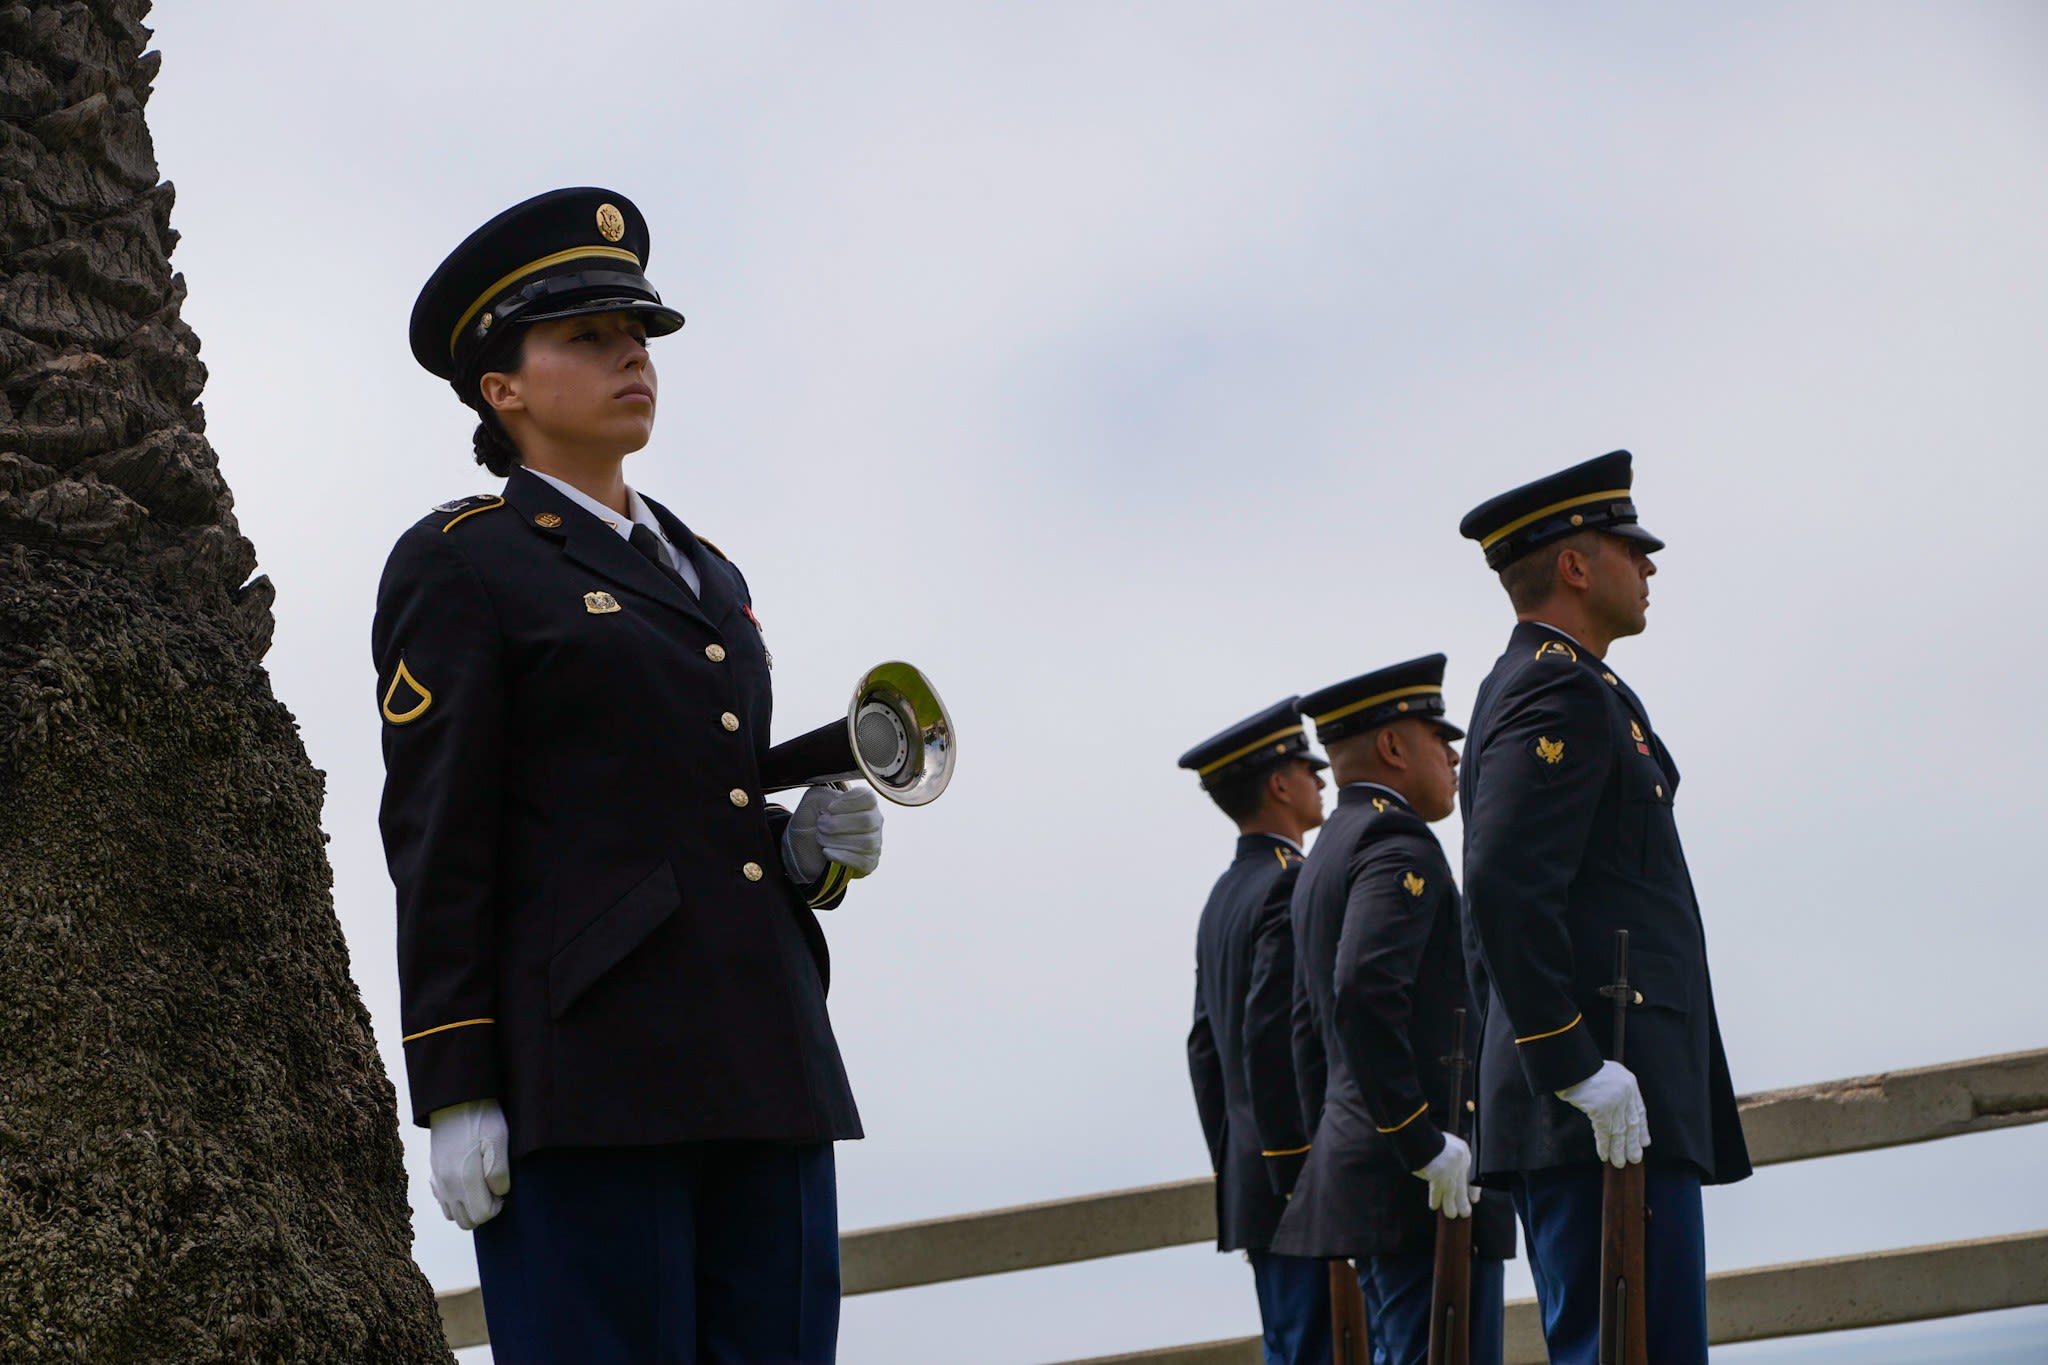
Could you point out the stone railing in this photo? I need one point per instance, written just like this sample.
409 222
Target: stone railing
1829 1119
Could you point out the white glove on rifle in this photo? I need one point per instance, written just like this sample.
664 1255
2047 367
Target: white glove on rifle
1611 1098
1449 1174
833 826
471 1162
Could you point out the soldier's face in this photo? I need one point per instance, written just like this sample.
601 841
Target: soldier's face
1435 769
1620 587
1302 790
586 384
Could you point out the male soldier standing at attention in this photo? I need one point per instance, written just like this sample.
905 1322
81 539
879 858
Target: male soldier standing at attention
1381 973
1569 836
1240 1052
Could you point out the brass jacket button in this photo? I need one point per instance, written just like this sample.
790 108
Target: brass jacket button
730 721
737 797
715 653
752 872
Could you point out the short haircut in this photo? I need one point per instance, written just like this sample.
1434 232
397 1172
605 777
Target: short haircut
1242 795
1531 579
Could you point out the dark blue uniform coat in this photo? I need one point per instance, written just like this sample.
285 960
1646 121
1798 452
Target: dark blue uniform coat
1379 973
1569 835
1239 1051
594 924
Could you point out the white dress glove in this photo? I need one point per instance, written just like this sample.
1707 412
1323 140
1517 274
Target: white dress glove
1449 1175
472 1161
1611 1098
833 826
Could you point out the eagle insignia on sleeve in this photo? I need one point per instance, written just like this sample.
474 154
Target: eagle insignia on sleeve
1412 884
1550 750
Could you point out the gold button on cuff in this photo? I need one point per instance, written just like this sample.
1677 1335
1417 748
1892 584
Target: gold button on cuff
752 872
737 797
730 721
715 653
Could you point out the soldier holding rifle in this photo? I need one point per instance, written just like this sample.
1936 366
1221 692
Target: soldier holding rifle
1381 979
1262 775
1570 836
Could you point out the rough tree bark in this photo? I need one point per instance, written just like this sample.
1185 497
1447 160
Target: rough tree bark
199 1155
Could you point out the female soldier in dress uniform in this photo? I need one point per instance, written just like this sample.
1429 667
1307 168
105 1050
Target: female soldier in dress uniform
612 976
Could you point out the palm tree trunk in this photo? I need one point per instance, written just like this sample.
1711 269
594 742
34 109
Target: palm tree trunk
199 1155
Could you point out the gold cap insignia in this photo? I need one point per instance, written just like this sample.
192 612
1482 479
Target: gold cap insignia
1557 647
483 324
1578 520
1400 706
1413 884
600 603
1550 750
1635 732
547 519
611 224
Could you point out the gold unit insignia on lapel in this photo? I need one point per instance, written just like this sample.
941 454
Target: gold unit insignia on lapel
1558 648
1380 803
1550 750
1412 884
547 521
1612 680
1635 732
600 603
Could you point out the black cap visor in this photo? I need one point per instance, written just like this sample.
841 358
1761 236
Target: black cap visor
1629 530
659 317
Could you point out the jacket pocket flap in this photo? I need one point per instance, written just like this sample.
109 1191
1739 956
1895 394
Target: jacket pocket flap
604 942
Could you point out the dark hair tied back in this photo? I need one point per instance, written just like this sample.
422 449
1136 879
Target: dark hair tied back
494 451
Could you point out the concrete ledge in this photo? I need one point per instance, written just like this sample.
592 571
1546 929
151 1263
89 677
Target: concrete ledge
462 1318
1896 1108
1828 1119
1831 1118
1880 1289
1025 1236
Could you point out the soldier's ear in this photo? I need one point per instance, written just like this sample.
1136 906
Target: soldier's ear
1387 745
501 392
1574 562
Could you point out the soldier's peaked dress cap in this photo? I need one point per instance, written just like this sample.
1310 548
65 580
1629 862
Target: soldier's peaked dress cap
558 255
1274 735
1413 690
1594 496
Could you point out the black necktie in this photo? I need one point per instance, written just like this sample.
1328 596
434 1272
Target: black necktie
649 544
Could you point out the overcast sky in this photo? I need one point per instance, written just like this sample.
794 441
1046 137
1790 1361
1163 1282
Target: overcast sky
1129 368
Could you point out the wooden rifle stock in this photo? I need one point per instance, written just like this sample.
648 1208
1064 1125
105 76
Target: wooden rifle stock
1450 1294
1624 1321
1349 1341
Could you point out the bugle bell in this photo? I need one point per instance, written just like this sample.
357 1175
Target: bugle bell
896 734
